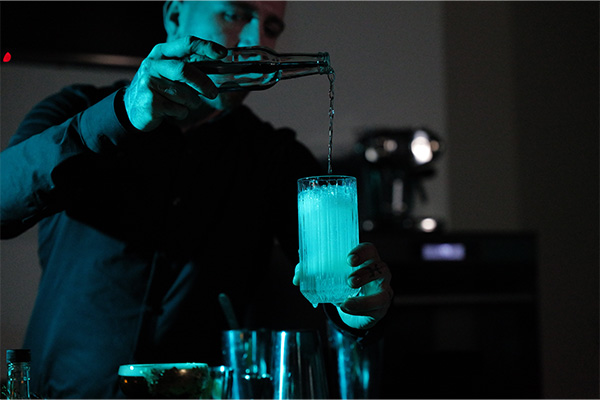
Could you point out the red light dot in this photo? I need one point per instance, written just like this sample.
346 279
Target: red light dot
6 57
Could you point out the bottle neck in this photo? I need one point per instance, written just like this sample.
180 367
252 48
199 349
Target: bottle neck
18 380
297 65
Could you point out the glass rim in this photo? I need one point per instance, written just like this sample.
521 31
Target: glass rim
325 178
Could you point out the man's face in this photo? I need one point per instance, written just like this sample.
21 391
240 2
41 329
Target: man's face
229 23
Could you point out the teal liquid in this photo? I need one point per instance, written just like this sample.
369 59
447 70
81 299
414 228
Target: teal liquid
328 229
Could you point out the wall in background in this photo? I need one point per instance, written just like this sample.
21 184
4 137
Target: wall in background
556 76
522 107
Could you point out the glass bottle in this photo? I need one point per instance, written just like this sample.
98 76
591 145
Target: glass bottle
18 366
259 68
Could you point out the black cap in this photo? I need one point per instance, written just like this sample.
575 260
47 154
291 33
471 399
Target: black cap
18 355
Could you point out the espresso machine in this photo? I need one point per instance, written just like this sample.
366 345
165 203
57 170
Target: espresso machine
391 166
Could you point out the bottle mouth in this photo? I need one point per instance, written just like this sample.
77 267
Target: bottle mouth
325 68
18 355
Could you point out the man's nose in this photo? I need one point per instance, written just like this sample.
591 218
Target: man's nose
250 34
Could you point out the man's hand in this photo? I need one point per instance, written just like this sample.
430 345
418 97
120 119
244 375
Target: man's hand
167 85
373 277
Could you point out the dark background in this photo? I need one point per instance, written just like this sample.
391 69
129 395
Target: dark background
63 31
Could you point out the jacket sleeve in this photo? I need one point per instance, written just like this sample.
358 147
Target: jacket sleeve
80 120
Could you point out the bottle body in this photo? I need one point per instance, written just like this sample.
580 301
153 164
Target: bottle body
259 68
18 368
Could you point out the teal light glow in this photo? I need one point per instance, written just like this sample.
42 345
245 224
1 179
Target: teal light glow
282 370
328 230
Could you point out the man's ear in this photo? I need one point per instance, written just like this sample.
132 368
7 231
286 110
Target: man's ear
171 12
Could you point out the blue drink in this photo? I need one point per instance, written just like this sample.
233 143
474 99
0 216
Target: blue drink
328 231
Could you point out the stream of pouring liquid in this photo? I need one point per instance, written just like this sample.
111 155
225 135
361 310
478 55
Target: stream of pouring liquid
331 77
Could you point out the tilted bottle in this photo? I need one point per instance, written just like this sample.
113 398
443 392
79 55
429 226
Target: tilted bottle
259 68
18 368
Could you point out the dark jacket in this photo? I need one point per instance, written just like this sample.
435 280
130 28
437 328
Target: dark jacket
140 232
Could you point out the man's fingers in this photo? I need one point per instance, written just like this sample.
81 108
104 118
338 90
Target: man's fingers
367 305
370 271
176 92
178 71
362 253
190 47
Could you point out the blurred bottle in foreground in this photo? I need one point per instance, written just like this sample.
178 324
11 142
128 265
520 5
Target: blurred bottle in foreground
18 363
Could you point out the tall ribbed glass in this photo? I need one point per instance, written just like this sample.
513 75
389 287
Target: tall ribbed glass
328 231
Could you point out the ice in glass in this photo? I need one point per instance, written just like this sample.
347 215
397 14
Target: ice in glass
328 231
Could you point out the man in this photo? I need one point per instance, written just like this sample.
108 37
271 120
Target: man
152 198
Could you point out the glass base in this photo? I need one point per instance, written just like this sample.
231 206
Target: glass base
326 290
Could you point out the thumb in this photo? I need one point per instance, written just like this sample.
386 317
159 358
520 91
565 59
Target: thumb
297 275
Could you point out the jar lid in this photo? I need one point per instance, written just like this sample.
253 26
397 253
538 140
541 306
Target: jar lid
18 355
